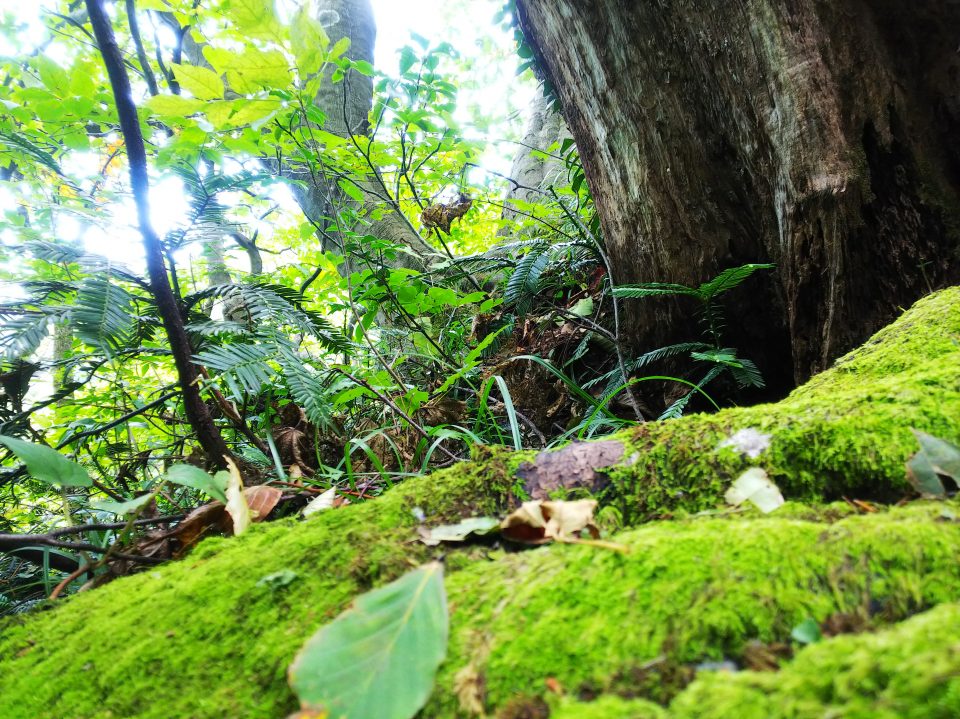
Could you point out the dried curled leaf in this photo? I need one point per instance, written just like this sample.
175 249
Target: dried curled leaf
237 506
442 215
541 521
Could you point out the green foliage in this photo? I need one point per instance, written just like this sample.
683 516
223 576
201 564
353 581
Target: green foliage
47 464
720 360
379 658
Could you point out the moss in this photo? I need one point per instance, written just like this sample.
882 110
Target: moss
601 622
845 432
202 638
911 671
607 707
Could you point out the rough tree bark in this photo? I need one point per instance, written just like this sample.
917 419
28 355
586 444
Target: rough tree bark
821 136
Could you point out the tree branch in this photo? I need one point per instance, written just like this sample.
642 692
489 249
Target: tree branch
208 435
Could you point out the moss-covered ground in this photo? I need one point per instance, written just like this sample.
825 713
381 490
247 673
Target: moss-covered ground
569 631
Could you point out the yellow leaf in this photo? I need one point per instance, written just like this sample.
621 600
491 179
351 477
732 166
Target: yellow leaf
201 82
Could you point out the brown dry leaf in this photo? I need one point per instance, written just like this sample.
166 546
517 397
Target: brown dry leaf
442 214
553 685
565 520
540 521
526 524
261 500
196 525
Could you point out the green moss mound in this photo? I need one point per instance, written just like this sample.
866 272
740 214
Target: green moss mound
911 671
206 637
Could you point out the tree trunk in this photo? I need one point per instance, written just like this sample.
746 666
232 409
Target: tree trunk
821 136
533 172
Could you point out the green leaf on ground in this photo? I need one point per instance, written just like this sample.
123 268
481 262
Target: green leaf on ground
807 632
378 659
460 531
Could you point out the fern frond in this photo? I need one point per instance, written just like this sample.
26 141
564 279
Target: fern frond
727 280
54 252
247 362
653 289
650 357
103 314
21 335
525 280
272 305
747 375
217 328
18 143
676 409
307 389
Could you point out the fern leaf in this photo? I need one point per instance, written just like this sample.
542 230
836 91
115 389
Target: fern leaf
523 283
307 389
20 336
647 358
727 280
103 315
247 362
652 289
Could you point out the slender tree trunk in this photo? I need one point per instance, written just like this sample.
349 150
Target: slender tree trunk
531 170
821 136
197 412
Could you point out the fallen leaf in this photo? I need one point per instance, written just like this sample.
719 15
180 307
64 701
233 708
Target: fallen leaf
261 500
936 457
541 521
320 503
754 486
807 632
237 506
276 580
458 532
565 520
378 659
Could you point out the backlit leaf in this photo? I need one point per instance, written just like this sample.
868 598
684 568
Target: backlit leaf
47 464
201 82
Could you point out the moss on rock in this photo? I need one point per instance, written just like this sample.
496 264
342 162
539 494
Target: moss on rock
205 637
